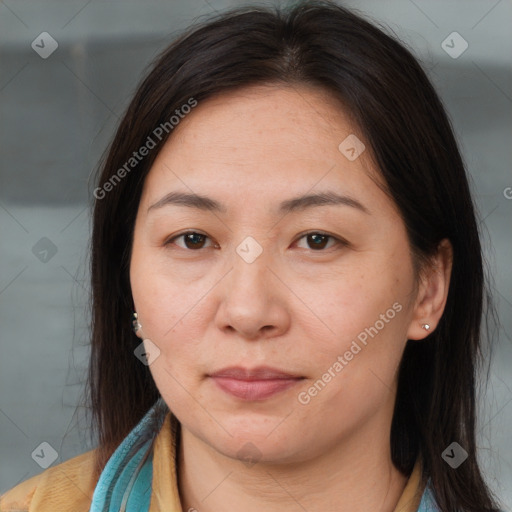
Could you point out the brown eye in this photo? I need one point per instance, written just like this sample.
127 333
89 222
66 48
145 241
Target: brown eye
191 239
318 241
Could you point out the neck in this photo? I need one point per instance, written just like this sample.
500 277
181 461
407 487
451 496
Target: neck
356 475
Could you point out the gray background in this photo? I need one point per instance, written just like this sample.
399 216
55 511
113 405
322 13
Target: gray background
56 118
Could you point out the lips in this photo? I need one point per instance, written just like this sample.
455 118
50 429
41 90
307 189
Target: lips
254 384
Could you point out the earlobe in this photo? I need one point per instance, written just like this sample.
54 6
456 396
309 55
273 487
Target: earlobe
433 293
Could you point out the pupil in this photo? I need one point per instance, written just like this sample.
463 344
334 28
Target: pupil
318 240
194 238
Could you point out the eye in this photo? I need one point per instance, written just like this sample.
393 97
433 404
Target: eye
192 240
317 240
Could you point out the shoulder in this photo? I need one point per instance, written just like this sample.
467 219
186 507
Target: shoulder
66 486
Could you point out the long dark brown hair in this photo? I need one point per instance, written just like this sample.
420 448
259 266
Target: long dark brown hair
385 89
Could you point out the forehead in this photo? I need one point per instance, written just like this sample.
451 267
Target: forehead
267 139
261 118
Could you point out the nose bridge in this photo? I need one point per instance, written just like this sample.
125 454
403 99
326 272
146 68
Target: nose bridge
250 264
250 301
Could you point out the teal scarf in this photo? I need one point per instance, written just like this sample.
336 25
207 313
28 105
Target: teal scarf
125 482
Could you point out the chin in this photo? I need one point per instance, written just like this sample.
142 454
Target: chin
257 441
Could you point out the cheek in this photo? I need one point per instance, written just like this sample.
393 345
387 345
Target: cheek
164 300
359 303
356 377
171 322
367 314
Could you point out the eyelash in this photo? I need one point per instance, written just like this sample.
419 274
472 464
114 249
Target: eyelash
338 241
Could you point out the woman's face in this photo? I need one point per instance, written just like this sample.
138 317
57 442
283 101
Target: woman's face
321 290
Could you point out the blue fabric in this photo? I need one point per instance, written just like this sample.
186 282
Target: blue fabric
428 503
125 482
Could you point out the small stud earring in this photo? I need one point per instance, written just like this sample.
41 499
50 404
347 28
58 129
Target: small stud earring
426 327
135 323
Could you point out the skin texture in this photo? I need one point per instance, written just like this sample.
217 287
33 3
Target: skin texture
295 307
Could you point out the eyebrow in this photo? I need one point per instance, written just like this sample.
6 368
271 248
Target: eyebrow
206 203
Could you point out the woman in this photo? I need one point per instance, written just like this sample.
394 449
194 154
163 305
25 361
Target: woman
287 283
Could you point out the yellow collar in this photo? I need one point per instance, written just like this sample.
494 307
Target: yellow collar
165 495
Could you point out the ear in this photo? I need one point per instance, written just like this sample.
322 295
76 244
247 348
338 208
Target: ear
432 292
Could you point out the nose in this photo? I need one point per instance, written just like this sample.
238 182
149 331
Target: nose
253 301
